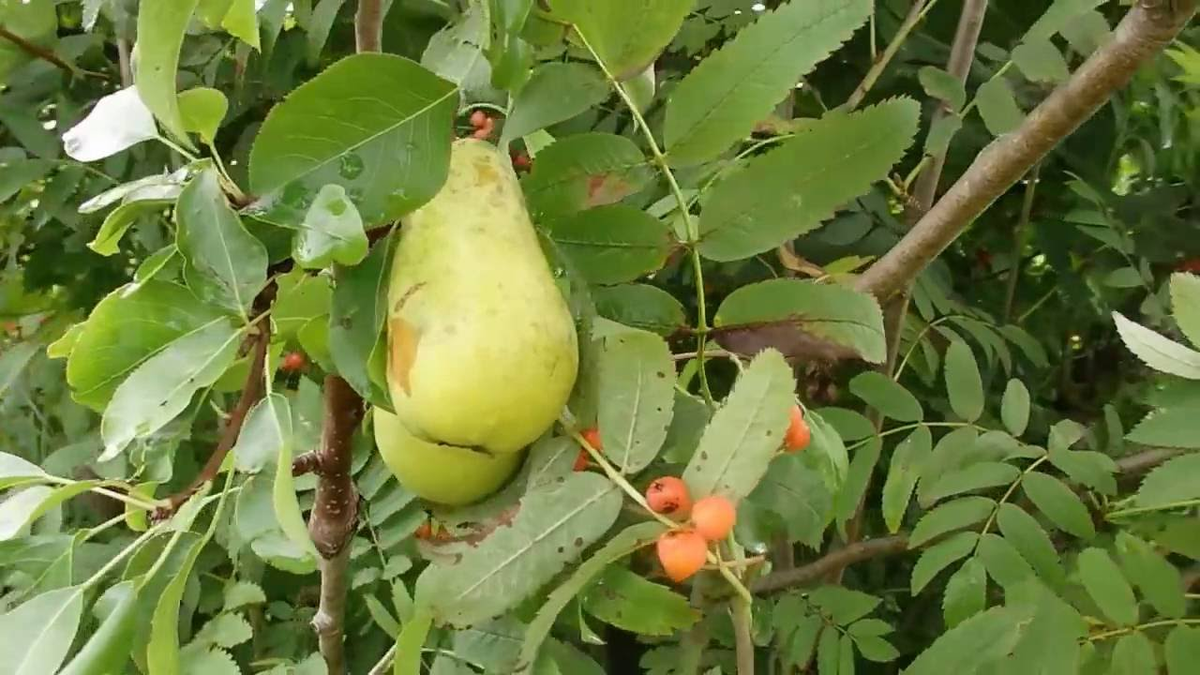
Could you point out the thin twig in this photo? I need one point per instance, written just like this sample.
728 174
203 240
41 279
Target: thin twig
252 391
124 62
839 559
39 52
1146 29
1014 270
918 11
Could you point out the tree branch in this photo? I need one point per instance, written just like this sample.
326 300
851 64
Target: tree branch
334 514
1144 31
368 26
252 391
915 13
835 560
39 52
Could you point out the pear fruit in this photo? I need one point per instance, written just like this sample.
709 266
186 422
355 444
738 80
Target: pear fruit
482 351
443 474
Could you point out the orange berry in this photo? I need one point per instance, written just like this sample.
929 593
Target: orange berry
424 531
682 553
713 517
669 496
293 362
581 461
479 119
482 133
798 434
521 161
592 436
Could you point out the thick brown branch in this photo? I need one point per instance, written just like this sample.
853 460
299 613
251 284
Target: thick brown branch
368 26
1144 31
335 511
835 560
330 619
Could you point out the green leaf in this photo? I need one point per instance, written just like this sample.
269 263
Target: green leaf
907 460
377 125
720 101
842 605
953 451
1107 586
119 220
332 231
799 496
943 86
13 362
998 106
24 507
858 477
964 386
1093 469
849 424
319 24
826 312
1157 351
968 479
1182 650
949 517
1168 427
1002 561
1172 482
640 306
162 386
966 593
792 189
410 641
555 92
583 171
456 52
1133 655
1059 503
622 544
887 396
277 424
14 470
1031 541
223 630
629 602
357 318
202 110
623 45
243 593
826 453
828 652
940 556
1160 581
106 350
1014 407
1185 304
550 530
38 632
941 132
613 244
1124 277
226 264
972 644
636 393
798 634
107 649
745 432
161 25
875 648
1041 61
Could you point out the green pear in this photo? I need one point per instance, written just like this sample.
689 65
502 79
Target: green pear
482 348
444 474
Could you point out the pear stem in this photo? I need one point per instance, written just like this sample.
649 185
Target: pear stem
693 234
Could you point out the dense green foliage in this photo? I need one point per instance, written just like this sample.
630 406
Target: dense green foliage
187 185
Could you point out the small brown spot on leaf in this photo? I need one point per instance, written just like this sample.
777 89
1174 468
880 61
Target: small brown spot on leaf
579 542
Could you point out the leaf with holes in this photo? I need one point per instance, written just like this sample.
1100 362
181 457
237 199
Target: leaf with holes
794 188
552 528
636 394
744 434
